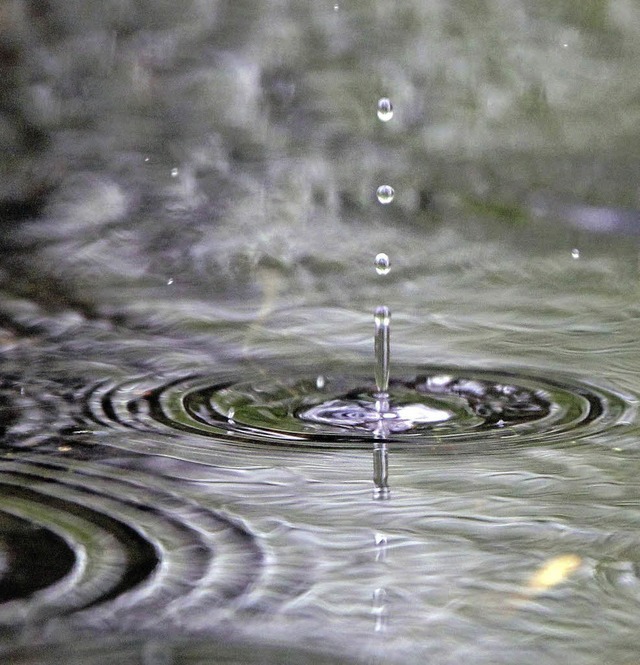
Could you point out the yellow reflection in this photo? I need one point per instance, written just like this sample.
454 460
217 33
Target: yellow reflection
553 572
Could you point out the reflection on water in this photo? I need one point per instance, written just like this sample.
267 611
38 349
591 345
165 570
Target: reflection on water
190 410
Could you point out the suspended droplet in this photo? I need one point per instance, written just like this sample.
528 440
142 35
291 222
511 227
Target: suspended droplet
320 382
385 109
174 173
382 264
575 253
385 194
170 281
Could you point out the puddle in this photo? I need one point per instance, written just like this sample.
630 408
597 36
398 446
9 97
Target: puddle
210 451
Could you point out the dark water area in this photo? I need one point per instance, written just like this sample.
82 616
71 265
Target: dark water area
201 460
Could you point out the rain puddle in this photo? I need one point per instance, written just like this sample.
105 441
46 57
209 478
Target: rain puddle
319 333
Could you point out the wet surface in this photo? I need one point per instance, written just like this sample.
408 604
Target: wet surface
201 460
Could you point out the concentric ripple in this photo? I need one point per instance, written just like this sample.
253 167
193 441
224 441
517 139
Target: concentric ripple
76 537
436 408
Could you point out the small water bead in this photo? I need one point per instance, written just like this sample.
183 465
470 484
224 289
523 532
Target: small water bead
385 109
382 264
575 253
385 194
174 173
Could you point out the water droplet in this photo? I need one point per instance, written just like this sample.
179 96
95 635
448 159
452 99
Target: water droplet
170 281
336 7
575 253
146 159
385 109
385 194
174 173
320 382
382 264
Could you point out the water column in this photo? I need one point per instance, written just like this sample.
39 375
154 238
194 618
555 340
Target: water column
382 321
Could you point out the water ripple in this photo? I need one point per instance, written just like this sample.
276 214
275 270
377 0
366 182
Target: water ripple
127 551
440 409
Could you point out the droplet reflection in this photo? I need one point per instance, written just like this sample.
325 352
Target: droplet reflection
385 109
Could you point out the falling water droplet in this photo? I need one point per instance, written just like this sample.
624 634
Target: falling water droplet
382 320
336 7
575 253
320 382
385 194
385 109
382 264
170 281
174 173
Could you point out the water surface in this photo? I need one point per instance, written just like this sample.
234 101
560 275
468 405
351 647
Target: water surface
190 218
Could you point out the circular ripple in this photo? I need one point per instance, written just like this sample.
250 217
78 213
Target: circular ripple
32 557
76 537
436 408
